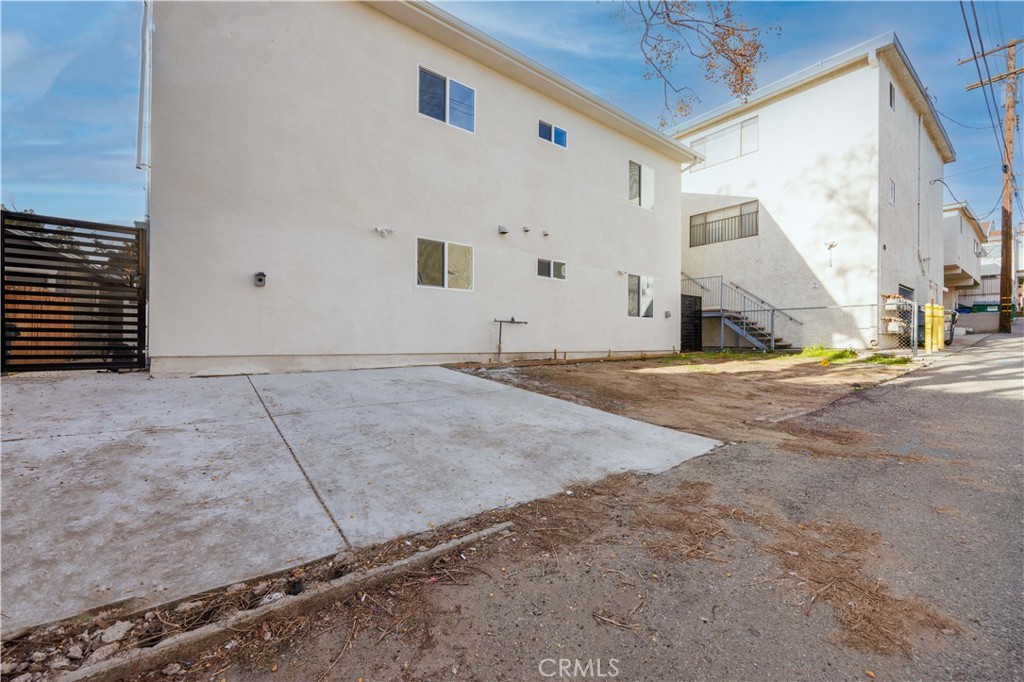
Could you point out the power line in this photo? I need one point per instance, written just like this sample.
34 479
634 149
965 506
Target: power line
962 125
988 108
975 170
991 85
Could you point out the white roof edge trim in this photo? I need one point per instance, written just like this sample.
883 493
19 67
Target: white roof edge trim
522 68
852 55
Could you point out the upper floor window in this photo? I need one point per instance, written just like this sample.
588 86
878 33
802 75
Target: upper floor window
728 143
552 133
444 264
734 222
892 191
641 185
447 100
892 96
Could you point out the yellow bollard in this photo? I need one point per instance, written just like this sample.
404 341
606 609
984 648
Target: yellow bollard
940 321
928 328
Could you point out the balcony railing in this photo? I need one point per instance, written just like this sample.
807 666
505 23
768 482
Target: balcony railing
736 227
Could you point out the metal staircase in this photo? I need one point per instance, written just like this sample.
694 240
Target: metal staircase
750 317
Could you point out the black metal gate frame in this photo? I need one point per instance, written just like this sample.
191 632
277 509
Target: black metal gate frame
105 292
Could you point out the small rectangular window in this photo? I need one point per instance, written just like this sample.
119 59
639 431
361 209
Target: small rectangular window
892 191
892 96
552 269
551 133
640 290
447 100
444 264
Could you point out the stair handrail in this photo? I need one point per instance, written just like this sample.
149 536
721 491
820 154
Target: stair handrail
694 280
760 300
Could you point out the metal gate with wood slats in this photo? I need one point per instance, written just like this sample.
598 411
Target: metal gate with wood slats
690 323
74 294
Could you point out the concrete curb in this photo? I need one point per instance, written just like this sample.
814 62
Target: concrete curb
193 642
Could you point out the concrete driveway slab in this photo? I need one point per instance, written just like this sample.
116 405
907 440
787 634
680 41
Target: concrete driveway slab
450 445
155 514
74 403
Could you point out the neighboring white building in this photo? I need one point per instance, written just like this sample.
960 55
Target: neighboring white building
963 240
403 181
820 192
985 295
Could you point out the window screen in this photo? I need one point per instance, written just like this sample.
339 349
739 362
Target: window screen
432 96
633 309
634 182
460 266
429 263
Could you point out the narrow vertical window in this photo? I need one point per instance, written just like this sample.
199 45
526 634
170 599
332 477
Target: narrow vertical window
543 268
634 183
460 266
892 191
432 95
640 290
429 263
892 96
633 291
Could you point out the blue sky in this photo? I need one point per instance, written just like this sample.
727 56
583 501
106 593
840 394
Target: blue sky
69 90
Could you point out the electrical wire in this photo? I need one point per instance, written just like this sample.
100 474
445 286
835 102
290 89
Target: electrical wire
991 85
962 125
970 39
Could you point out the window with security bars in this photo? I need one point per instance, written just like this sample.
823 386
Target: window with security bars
734 222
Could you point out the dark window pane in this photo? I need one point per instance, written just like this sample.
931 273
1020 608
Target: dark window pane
560 137
559 270
544 130
634 182
633 309
543 268
429 263
461 106
431 95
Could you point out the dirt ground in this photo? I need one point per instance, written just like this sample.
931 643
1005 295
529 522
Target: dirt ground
832 545
731 398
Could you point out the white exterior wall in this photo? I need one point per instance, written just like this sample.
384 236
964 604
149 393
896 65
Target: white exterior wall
815 174
284 133
961 245
910 232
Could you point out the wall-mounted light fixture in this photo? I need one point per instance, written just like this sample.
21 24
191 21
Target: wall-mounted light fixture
830 246
383 231
668 313
260 279
623 272
546 233
502 229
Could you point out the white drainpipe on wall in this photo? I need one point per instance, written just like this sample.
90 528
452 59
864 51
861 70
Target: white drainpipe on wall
145 72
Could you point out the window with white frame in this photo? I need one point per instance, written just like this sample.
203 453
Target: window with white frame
552 133
641 185
725 224
892 192
640 290
444 265
737 140
447 100
552 269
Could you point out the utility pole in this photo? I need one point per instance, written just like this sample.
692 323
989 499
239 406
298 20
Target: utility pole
1007 285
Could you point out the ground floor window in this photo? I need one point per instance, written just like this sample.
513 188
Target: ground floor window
444 264
550 268
641 296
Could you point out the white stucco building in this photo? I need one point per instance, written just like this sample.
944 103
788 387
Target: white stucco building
820 193
403 181
963 248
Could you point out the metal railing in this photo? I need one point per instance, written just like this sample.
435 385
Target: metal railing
735 227
745 315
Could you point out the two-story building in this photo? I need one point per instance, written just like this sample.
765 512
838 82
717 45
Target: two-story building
349 184
818 195
963 248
